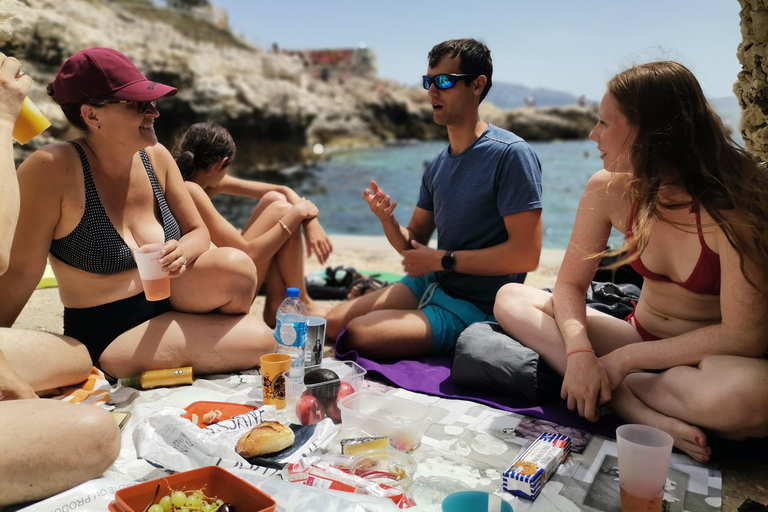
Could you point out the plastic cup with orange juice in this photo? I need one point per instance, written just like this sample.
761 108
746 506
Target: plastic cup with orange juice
30 123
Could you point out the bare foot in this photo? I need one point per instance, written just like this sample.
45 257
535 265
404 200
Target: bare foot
689 439
315 308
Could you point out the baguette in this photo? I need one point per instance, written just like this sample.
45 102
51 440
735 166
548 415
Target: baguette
264 438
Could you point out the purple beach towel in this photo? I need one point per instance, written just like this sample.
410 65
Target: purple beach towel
432 376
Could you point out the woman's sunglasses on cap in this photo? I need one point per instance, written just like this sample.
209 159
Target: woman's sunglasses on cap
445 81
140 106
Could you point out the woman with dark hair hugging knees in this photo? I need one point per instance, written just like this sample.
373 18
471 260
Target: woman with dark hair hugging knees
272 234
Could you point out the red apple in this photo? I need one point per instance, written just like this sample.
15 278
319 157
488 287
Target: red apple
309 411
333 412
346 389
332 409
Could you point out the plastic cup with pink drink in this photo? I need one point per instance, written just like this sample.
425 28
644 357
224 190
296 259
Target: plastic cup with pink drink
644 454
156 282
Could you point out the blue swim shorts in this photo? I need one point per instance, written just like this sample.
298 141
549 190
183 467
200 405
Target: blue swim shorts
447 316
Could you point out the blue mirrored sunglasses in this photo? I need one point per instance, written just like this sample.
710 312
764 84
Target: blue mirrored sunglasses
445 81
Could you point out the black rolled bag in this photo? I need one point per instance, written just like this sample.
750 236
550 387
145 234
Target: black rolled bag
486 358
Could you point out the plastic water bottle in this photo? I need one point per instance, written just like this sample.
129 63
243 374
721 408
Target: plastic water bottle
291 331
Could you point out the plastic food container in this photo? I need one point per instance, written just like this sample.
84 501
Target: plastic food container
378 414
388 467
218 483
326 393
434 489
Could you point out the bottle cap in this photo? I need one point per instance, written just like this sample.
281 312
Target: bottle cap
292 292
132 382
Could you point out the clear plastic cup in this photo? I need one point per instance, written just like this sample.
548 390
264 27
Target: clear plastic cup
30 123
156 282
644 454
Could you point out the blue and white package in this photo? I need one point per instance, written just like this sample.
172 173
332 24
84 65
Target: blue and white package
536 464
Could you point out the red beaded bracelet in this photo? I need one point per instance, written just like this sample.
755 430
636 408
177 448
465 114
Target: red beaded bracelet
579 350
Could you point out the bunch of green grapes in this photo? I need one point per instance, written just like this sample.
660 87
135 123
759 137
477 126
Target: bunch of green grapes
195 501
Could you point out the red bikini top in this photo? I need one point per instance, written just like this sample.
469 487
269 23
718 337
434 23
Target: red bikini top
705 278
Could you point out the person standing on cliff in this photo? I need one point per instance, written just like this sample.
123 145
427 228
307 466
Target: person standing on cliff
482 194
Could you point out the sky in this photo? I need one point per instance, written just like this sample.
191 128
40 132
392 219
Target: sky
574 46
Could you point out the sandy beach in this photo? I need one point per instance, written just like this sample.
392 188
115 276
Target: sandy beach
44 310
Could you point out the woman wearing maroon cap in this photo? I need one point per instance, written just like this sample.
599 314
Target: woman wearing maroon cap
89 202
46 455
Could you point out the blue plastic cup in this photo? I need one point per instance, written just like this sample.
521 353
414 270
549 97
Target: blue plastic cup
476 501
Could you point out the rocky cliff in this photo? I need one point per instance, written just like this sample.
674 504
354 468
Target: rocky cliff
751 88
276 111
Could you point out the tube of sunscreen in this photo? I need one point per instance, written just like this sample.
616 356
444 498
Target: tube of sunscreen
160 378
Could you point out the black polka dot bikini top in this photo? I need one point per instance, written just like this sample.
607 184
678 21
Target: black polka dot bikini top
95 245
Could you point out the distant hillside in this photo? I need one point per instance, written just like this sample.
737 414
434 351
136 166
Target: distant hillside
508 96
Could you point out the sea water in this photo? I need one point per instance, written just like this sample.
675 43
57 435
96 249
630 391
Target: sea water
336 186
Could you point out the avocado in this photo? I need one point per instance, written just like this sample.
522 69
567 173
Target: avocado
326 393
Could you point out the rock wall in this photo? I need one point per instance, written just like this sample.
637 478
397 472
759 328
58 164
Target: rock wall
751 88
274 108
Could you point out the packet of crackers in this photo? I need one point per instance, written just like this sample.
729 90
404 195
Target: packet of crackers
534 466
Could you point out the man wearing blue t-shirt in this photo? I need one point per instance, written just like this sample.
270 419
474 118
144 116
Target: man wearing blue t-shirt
482 194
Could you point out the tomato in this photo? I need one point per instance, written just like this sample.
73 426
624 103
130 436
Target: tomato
309 411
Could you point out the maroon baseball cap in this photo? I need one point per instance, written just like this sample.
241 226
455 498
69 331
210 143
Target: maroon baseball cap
104 73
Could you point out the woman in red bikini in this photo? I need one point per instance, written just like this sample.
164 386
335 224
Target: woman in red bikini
692 206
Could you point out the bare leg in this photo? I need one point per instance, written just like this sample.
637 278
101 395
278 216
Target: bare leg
287 261
688 438
725 394
397 296
266 200
274 283
390 334
211 343
222 280
526 314
56 446
45 361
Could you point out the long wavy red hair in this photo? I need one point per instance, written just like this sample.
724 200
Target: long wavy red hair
680 141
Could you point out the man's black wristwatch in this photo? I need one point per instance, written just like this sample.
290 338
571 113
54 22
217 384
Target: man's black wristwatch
448 261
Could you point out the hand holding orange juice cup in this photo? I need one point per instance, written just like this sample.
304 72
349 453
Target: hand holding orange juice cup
156 281
30 122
